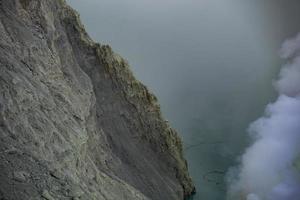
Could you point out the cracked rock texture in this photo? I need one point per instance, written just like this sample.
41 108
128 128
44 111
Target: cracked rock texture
74 122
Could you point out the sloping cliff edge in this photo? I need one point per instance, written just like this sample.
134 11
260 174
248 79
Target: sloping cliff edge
74 122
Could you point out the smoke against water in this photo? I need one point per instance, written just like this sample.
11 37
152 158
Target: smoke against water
270 167
210 63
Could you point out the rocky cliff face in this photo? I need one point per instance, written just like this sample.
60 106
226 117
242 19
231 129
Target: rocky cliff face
74 122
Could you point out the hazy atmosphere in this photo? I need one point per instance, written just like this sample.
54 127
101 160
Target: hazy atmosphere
211 63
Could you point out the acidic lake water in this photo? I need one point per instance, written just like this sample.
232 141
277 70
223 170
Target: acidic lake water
210 62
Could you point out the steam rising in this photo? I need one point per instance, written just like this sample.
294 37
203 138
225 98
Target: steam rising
270 167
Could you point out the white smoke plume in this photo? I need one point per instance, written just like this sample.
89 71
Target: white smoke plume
270 168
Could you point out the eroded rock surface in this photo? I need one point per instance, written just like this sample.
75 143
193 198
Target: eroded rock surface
74 122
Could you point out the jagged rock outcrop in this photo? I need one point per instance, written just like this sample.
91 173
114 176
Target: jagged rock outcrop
74 122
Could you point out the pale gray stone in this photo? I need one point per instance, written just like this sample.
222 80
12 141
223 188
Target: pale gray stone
73 117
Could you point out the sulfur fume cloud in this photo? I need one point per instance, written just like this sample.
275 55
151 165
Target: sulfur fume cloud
270 168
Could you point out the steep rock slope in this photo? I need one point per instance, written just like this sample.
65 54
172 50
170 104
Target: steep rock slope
74 122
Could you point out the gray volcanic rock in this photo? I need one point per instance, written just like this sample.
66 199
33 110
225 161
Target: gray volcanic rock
74 122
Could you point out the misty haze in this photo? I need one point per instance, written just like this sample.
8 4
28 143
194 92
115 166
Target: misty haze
211 63
150 99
